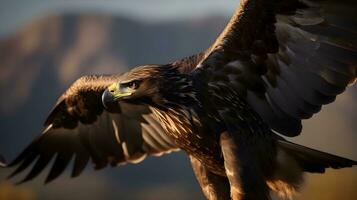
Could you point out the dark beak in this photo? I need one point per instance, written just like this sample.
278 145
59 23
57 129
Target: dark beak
109 102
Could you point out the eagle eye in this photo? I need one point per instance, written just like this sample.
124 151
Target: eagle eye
132 85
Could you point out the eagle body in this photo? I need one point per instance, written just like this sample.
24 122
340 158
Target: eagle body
195 118
275 64
184 116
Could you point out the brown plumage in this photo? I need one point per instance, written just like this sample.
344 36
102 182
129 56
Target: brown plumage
276 63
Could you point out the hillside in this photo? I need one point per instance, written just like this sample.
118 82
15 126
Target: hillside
40 60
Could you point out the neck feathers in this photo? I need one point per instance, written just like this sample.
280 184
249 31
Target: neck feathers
178 90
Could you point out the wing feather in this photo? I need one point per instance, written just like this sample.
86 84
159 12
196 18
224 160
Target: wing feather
79 129
290 57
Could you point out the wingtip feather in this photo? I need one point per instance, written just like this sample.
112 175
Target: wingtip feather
2 161
354 162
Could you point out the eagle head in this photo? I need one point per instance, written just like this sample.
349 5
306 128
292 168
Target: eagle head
157 85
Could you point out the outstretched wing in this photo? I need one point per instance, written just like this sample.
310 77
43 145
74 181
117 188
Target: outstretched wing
287 58
79 128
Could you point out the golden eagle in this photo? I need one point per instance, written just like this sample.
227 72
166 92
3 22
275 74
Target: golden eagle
276 63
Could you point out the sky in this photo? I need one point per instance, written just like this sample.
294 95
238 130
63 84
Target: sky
14 13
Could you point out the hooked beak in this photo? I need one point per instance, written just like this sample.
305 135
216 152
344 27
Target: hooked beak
109 99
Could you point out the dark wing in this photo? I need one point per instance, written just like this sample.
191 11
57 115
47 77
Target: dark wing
79 128
287 58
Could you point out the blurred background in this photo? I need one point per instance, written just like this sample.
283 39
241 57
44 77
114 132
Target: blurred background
46 45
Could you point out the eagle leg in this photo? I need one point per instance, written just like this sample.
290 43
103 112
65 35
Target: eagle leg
245 177
214 187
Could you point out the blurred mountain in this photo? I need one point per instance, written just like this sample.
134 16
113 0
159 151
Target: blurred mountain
62 48
39 61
